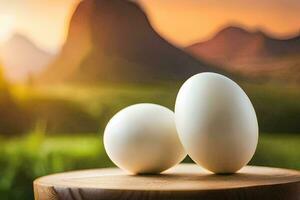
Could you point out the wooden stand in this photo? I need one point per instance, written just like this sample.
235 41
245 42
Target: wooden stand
185 181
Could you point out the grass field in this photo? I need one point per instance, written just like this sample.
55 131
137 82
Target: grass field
24 159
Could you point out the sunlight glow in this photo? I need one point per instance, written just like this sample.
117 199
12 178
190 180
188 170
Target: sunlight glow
7 27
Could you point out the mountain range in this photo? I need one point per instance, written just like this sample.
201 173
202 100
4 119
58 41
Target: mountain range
21 58
112 40
251 54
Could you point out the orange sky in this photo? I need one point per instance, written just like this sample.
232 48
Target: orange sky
180 21
188 21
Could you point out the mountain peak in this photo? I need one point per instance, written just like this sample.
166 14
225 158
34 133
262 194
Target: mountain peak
18 37
18 40
235 43
238 33
113 40
31 59
239 50
232 30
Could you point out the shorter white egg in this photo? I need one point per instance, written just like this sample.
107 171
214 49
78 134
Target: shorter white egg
142 139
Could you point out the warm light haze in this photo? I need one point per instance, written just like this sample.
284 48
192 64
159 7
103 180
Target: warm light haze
45 22
181 22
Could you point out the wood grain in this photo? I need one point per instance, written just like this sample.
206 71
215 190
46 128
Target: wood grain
185 181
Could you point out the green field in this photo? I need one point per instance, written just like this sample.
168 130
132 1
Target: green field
67 122
24 159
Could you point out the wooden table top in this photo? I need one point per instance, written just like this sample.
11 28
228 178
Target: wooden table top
184 181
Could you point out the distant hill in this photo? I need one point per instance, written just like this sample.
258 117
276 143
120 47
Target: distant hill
253 54
112 40
21 58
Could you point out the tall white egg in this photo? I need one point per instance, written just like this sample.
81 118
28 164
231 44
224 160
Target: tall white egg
216 122
142 138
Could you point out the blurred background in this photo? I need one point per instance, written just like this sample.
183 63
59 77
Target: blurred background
68 66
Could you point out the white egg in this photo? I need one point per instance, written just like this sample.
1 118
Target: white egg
216 122
142 139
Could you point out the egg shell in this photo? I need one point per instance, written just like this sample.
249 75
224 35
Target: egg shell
142 139
216 122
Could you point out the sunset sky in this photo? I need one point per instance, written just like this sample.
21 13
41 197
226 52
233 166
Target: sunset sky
180 21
